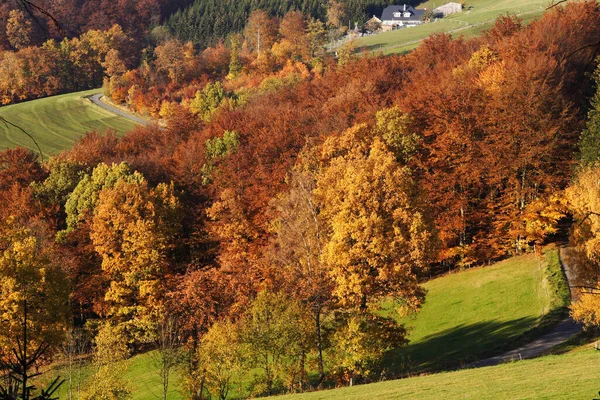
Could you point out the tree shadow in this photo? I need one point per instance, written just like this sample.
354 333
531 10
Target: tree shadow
456 347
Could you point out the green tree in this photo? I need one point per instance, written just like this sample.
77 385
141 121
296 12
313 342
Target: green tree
317 38
589 144
207 101
216 149
221 358
275 330
359 343
235 65
110 352
300 235
82 201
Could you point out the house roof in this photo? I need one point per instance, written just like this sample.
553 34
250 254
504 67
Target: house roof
396 13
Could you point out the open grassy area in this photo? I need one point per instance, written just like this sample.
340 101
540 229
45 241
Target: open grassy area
569 376
57 122
467 314
141 376
480 311
478 16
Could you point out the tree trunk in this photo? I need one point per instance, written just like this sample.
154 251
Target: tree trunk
320 346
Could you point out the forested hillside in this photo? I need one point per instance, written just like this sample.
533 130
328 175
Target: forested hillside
206 21
290 193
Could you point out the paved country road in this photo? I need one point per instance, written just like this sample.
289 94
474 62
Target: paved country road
562 332
96 99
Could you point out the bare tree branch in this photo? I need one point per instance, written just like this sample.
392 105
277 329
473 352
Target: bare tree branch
7 123
32 9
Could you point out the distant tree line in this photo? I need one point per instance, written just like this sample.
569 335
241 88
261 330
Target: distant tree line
205 21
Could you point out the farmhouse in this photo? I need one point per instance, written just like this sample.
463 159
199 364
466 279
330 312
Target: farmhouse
447 9
395 17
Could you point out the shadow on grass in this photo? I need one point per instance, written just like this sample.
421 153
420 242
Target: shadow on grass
371 48
456 347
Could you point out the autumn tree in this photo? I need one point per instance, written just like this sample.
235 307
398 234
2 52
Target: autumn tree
380 239
584 203
336 13
29 272
293 31
175 59
18 29
132 230
589 144
221 358
260 32
299 241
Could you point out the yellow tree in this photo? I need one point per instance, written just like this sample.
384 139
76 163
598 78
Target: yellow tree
221 358
379 236
18 29
132 230
28 273
583 198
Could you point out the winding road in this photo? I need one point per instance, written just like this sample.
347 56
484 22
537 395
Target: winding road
561 332
97 100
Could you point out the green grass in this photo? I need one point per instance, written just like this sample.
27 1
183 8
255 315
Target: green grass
57 122
481 311
572 376
469 23
141 377
470 313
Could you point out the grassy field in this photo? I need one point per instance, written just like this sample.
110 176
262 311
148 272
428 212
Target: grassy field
141 376
478 16
57 122
569 376
478 312
467 314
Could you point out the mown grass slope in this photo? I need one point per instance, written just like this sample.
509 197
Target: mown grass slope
57 122
478 15
569 376
474 312
480 311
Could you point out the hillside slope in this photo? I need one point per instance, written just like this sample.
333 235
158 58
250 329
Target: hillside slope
569 376
466 314
478 16
57 122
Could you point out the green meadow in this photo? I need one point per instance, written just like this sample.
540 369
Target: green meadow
476 17
57 122
480 312
467 315
570 376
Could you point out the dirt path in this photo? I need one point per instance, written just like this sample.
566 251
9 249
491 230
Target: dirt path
562 332
97 100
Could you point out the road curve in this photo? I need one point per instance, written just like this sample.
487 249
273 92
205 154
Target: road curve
96 99
559 334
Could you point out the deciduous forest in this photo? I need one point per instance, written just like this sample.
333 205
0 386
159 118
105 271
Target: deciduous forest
287 192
